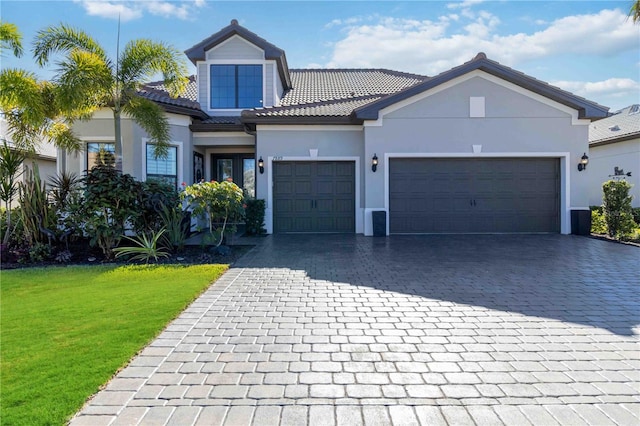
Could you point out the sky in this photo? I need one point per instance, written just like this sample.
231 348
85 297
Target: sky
590 48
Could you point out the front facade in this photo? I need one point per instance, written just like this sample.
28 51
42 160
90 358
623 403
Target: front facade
480 148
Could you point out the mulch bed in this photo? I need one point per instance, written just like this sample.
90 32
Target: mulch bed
84 254
604 237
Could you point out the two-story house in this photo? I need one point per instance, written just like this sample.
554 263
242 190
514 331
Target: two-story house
478 148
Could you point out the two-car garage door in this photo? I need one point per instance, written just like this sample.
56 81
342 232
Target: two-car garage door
450 195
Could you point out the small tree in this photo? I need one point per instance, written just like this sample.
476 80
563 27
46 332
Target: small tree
617 207
10 169
220 202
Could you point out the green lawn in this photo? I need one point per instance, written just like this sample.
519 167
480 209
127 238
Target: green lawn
64 332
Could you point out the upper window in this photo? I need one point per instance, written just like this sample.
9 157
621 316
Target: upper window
236 86
164 169
100 153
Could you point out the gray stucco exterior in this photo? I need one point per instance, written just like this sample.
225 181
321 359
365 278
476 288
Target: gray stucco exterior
480 109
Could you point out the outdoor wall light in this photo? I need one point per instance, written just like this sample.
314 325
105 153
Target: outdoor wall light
582 165
261 165
374 163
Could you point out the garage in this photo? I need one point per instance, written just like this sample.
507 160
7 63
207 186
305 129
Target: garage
314 196
462 195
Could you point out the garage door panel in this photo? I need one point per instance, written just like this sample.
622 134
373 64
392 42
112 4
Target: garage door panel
474 195
314 196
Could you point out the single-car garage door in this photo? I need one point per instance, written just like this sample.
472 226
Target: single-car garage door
314 196
449 195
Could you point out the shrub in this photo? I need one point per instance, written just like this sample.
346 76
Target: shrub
221 203
154 196
617 208
254 217
37 217
10 169
177 223
110 202
598 223
636 215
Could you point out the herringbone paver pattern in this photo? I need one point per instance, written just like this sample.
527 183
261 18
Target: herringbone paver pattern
351 330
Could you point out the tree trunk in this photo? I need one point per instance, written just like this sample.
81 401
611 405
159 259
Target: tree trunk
118 138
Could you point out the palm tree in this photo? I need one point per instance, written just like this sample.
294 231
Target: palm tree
634 13
88 79
10 37
30 106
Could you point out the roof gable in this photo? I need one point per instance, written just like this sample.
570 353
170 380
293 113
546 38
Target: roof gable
585 108
271 52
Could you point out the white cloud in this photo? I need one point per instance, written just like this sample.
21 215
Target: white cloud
429 47
111 10
612 87
463 4
130 10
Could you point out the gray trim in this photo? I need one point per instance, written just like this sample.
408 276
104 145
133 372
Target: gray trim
198 52
585 108
627 137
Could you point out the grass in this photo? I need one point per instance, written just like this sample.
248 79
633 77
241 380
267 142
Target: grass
66 331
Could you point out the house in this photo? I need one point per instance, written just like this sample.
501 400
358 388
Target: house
614 152
44 156
479 148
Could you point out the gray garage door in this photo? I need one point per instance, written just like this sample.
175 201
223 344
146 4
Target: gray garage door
314 196
474 195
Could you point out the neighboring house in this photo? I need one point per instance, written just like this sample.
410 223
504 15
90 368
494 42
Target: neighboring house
44 157
478 148
614 151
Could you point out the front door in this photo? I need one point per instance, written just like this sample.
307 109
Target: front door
241 168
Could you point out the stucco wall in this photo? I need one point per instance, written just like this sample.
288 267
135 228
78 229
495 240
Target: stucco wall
602 161
514 124
279 143
133 148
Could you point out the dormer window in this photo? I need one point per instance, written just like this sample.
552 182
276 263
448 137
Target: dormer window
236 86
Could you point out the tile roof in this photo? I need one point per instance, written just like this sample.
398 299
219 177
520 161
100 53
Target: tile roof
621 124
317 85
332 108
586 108
156 91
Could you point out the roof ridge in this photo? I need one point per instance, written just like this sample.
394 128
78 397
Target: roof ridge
383 70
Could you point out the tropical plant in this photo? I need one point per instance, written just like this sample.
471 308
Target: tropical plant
31 107
63 186
254 217
598 223
89 80
177 225
11 160
220 203
38 219
617 207
155 195
11 38
634 12
110 202
145 249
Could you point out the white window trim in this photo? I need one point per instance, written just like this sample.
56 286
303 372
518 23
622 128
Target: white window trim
234 62
179 159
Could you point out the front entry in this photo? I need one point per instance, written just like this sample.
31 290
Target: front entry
241 168
314 196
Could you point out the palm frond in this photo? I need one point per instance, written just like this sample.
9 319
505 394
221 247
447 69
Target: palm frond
64 39
150 116
634 12
141 59
84 82
11 38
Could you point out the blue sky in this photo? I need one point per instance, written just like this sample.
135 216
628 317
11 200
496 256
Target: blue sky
589 48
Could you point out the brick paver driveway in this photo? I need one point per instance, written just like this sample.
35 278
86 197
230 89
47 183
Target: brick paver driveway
538 329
